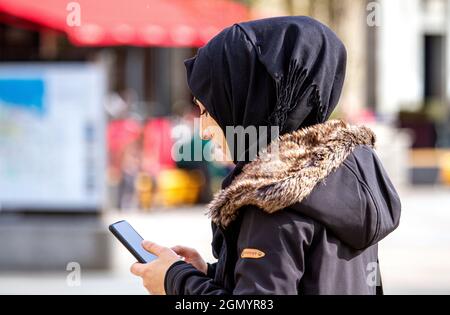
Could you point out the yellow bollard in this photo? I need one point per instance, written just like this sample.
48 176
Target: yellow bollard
179 187
445 168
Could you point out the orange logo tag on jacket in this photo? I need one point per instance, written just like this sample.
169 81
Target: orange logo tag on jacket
252 253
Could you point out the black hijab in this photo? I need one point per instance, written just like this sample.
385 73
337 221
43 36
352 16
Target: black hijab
284 71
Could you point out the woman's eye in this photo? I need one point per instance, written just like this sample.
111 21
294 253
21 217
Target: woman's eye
203 112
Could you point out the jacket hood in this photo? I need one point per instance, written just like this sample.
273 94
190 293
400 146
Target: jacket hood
328 172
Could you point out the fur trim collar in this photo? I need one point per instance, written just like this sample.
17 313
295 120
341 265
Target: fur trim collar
306 157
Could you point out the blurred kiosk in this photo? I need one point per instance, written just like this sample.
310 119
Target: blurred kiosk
52 166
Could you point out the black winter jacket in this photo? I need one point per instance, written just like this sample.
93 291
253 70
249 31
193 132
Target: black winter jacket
307 223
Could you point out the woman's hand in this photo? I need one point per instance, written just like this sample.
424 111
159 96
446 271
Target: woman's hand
153 273
192 257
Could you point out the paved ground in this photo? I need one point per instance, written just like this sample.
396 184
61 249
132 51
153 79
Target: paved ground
414 259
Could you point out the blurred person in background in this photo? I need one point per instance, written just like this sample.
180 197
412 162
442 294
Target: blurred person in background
130 169
124 133
308 222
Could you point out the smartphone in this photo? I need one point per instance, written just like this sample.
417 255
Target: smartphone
131 239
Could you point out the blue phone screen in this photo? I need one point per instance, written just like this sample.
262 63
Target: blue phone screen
133 239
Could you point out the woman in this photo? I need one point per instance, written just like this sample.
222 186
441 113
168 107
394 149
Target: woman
307 222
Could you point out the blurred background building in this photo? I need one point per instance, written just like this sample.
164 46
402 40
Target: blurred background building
94 100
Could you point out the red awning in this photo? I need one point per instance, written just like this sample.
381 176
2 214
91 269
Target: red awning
170 23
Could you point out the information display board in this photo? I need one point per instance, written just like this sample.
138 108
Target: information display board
52 136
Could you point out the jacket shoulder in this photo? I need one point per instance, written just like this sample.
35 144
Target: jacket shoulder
287 224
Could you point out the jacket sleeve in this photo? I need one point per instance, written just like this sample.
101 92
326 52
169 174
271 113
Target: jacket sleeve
184 279
283 237
283 241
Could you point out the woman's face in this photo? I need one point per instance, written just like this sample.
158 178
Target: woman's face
210 130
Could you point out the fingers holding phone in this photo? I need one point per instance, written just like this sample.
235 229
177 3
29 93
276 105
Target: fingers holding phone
153 260
153 273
